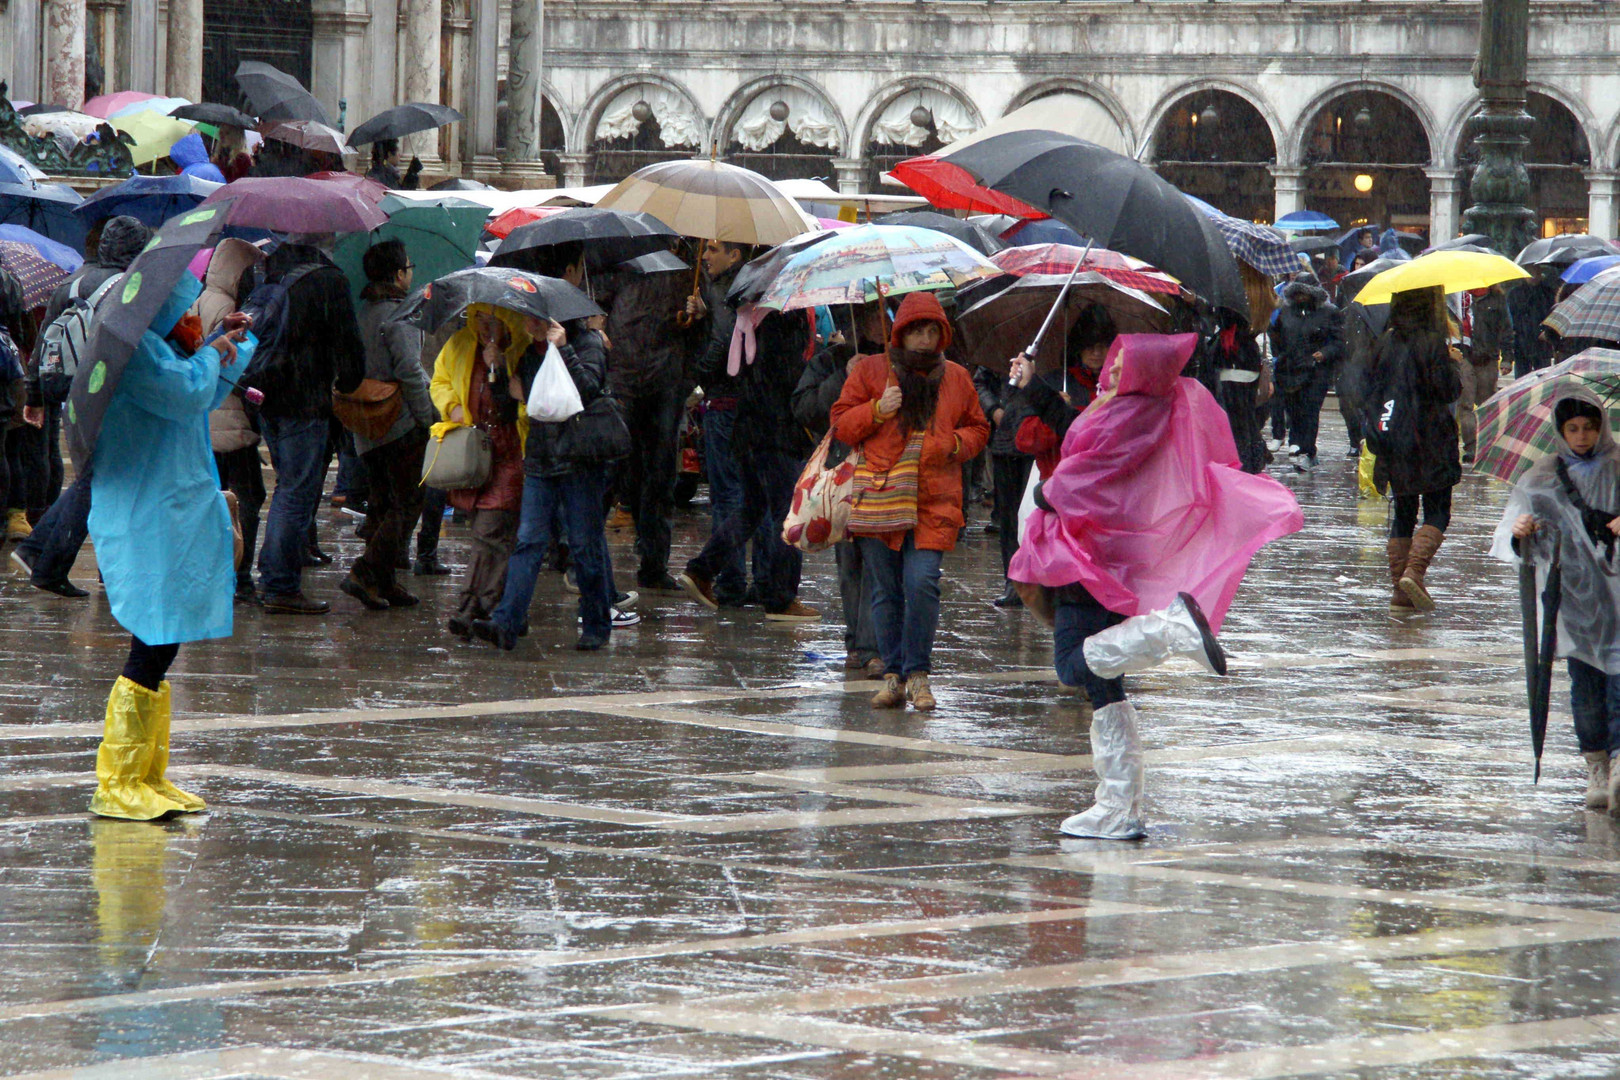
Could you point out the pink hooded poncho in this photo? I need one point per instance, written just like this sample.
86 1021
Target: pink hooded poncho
1149 498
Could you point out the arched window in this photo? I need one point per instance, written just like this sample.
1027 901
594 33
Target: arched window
785 133
1215 145
643 123
919 121
1365 156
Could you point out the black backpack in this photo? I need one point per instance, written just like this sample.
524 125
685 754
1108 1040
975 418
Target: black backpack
268 303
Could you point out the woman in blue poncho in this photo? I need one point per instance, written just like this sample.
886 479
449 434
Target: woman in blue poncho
162 532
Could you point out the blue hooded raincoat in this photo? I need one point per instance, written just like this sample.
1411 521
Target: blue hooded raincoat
157 516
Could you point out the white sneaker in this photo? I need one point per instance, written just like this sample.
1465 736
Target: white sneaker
619 620
20 564
1273 445
627 600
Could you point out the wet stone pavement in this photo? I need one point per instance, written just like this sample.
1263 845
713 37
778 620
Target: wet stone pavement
700 853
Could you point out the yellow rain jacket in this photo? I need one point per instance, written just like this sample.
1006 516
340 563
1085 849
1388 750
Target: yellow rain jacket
452 371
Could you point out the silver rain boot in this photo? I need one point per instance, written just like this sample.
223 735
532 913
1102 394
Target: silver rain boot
1597 779
1116 755
1146 641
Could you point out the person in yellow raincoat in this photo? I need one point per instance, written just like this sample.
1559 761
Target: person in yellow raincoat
473 380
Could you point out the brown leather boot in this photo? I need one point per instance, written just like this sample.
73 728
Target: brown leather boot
893 694
1425 542
1399 549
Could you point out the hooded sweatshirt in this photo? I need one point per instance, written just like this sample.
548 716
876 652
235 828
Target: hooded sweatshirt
192 157
122 238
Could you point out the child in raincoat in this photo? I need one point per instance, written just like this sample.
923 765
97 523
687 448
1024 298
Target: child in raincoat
1572 498
162 532
1147 522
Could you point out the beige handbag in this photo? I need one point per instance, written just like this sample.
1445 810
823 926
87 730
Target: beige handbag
460 460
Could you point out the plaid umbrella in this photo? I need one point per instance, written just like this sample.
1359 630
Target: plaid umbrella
1593 311
37 275
1261 246
1060 259
1515 425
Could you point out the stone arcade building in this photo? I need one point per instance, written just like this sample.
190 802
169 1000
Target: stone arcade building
1353 108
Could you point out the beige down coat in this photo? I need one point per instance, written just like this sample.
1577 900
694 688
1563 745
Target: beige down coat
228 426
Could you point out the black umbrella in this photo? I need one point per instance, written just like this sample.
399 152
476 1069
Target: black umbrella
1356 280
499 286
459 183
402 120
659 262
609 237
276 95
1532 641
125 315
1116 201
1563 249
973 235
1464 243
1551 597
1310 245
208 112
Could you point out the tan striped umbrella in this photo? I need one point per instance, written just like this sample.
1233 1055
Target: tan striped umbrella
710 200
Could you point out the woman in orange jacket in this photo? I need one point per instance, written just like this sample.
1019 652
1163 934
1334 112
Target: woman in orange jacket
915 417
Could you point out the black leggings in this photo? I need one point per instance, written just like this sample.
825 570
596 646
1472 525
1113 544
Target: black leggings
1436 512
147 664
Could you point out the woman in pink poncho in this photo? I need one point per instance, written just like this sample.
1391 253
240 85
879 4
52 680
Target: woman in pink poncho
1148 522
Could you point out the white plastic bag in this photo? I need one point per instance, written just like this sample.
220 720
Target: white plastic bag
553 398
1026 506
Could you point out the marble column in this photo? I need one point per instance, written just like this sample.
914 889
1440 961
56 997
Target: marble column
482 68
454 34
423 20
1601 191
1444 204
185 55
851 173
1290 189
138 47
525 57
575 168
64 52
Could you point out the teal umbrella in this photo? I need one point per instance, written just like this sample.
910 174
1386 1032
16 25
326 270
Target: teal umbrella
440 235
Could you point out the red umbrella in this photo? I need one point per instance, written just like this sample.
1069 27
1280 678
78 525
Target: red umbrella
1060 259
953 187
302 204
519 215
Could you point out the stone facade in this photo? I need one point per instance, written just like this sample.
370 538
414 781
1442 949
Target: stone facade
852 77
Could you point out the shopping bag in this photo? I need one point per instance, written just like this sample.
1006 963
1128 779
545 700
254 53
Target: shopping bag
819 515
1027 506
553 398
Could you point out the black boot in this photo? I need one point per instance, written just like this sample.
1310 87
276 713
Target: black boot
1009 598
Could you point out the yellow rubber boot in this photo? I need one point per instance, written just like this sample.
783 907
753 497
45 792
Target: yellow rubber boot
155 778
125 757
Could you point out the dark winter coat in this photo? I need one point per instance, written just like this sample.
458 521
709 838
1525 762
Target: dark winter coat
709 366
1528 305
647 347
818 391
586 357
996 393
1307 324
1413 378
765 387
321 348
1492 332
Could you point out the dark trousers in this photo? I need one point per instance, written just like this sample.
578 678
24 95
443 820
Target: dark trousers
1303 406
147 664
58 536
394 471
427 539
647 476
298 450
1009 472
490 534
855 595
1404 512
574 502
905 603
55 473
1078 615
27 470
725 499
1594 698
242 474
768 477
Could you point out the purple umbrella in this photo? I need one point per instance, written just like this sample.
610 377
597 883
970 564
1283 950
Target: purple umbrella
297 204
37 275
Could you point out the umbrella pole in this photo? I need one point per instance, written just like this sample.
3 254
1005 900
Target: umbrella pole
1057 304
1532 633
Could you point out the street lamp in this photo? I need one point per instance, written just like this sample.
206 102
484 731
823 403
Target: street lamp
1363 182
922 116
779 111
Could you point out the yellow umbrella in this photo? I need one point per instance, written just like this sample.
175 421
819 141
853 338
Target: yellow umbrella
154 134
1452 271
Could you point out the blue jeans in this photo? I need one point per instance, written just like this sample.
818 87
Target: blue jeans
577 499
298 453
59 535
1594 698
768 477
725 499
905 603
1078 616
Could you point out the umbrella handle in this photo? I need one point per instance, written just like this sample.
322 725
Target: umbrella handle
683 318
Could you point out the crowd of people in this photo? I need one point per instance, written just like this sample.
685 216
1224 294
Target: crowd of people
881 382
